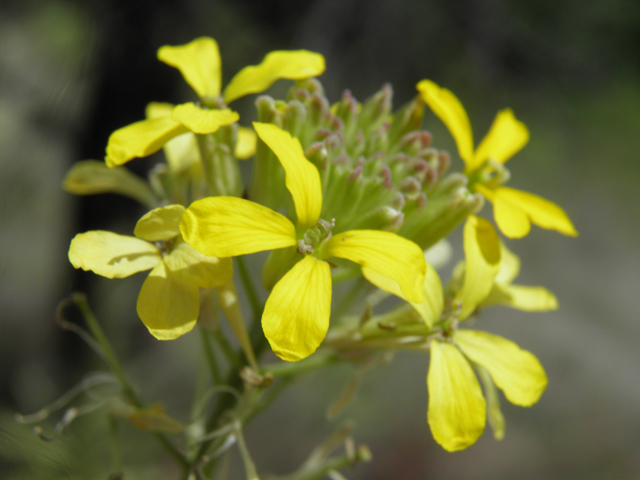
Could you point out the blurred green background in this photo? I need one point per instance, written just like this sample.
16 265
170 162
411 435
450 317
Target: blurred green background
72 71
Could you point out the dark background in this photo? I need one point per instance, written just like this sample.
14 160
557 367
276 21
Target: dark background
71 72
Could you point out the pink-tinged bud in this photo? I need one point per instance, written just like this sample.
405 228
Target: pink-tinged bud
410 185
356 173
322 133
385 173
301 94
444 160
398 201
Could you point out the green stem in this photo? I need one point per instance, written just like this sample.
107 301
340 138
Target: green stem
289 369
228 351
80 300
210 356
249 288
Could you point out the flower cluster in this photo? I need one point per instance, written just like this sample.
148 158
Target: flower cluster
339 192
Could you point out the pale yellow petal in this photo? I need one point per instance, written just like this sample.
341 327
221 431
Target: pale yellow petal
509 265
158 109
198 62
160 223
112 255
302 177
182 152
296 315
141 139
202 120
449 109
511 220
292 65
200 270
457 409
90 177
530 299
230 226
395 257
516 372
167 306
431 309
246 144
482 262
494 414
506 137
539 211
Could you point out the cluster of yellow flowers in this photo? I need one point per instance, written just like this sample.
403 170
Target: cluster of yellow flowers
338 192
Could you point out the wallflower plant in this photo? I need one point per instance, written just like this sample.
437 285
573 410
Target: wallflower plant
348 197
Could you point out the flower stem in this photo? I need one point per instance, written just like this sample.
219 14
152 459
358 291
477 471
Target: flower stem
210 356
249 288
80 300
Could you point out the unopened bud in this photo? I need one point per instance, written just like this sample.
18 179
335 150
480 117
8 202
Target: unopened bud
406 119
316 153
295 114
267 111
384 218
410 185
376 110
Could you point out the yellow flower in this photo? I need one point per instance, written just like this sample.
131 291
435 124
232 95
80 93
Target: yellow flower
457 409
513 210
169 301
199 63
296 314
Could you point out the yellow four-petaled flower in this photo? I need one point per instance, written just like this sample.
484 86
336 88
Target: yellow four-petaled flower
296 314
199 63
457 409
514 210
169 300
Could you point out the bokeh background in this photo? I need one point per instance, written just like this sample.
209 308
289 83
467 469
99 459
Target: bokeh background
72 71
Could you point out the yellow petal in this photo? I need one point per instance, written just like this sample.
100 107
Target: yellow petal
89 177
539 211
158 109
482 262
511 220
302 177
296 315
112 255
160 223
516 372
167 306
141 139
431 309
292 65
246 144
198 62
182 152
506 137
509 265
457 410
230 226
449 109
197 269
395 257
494 414
201 120
529 299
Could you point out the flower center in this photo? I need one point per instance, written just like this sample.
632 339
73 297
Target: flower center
315 236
